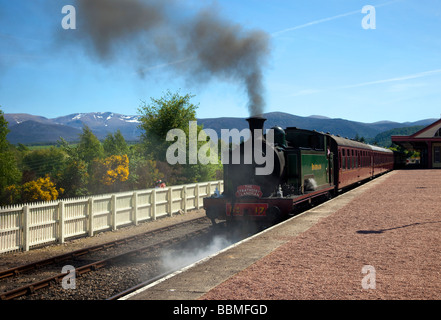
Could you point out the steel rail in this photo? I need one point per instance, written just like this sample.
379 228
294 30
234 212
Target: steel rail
14 271
31 288
151 280
141 285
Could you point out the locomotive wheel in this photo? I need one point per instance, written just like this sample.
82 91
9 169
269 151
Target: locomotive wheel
274 215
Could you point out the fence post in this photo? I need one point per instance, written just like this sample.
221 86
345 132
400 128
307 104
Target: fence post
153 204
185 198
135 207
196 193
170 201
61 220
26 222
113 211
90 214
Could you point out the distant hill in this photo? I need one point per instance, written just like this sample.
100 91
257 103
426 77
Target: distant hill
384 138
342 127
34 132
29 129
69 127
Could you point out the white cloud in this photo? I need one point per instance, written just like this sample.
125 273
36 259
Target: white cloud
402 78
395 87
278 33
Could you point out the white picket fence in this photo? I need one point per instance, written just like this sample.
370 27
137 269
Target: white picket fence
24 227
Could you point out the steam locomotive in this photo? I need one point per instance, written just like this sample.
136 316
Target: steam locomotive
307 166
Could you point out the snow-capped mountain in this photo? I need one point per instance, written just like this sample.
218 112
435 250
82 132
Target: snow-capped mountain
30 129
50 130
102 123
93 119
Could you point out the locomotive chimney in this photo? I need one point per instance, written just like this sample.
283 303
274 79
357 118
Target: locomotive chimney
256 122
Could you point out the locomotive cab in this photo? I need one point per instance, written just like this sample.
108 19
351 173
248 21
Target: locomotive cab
308 160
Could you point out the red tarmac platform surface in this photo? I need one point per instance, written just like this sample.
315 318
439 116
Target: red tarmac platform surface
379 241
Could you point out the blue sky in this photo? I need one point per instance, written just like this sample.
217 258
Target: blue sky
322 62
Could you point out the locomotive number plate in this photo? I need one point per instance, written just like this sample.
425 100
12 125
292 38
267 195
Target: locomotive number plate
247 209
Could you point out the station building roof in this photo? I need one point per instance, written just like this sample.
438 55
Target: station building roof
420 139
427 141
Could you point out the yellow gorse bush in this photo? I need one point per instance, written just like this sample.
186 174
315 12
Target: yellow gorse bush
41 189
117 169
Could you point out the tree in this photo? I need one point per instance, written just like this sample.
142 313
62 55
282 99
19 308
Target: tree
40 163
9 172
3 132
42 189
74 178
359 139
172 111
115 144
146 174
117 169
109 173
89 147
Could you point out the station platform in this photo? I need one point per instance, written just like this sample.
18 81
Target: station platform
381 240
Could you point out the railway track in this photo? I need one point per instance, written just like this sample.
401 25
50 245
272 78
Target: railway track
96 259
114 275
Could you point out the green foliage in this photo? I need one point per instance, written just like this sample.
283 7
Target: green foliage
145 174
41 189
172 111
42 162
89 147
91 167
110 174
3 132
169 112
359 139
74 179
406 153
384 138
115 144
9 172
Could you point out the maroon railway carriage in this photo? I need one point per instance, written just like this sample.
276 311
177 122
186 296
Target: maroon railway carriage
358 161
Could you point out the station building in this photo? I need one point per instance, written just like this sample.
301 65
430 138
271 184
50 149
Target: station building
427 141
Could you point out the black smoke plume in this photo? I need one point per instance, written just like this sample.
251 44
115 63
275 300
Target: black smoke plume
199 46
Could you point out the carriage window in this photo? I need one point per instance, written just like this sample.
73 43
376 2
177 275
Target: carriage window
344 159
353 160
356 158
339 158
359 159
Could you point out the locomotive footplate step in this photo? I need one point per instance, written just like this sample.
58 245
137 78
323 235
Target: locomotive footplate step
194 281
